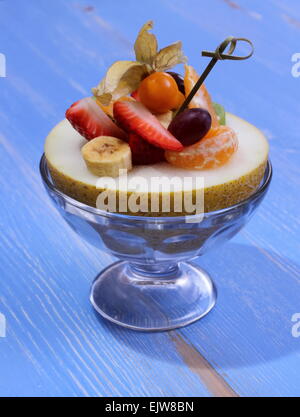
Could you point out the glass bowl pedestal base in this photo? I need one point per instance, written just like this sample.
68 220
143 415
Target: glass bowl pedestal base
153 298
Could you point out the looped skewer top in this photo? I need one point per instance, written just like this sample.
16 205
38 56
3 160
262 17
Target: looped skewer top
216 56
218 53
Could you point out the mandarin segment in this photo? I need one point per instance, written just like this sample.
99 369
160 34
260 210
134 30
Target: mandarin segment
213 151
202 97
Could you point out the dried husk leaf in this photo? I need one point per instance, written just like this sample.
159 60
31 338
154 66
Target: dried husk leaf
169 56
146 45
104 99
122 78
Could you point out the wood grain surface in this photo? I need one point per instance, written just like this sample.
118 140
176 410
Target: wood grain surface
55 344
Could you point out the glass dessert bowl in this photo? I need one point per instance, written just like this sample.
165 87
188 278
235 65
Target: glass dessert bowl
153 286
152 171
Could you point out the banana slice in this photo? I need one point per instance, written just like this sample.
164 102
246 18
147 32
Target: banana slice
105 156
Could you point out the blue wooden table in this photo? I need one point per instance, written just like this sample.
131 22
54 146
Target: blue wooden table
55 345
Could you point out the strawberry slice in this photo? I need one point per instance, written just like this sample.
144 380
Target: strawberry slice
143 153
135 95
134 117
90 121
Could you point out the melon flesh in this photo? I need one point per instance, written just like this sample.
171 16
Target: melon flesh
223 186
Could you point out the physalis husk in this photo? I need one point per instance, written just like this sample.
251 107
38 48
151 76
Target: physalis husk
124 77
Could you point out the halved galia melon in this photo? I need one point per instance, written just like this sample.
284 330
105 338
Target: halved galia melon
223 186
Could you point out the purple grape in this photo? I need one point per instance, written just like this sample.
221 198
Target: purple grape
179 81
190 126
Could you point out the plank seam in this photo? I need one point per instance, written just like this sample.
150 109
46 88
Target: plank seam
197 363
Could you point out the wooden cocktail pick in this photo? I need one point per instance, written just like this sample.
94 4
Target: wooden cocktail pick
217 55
